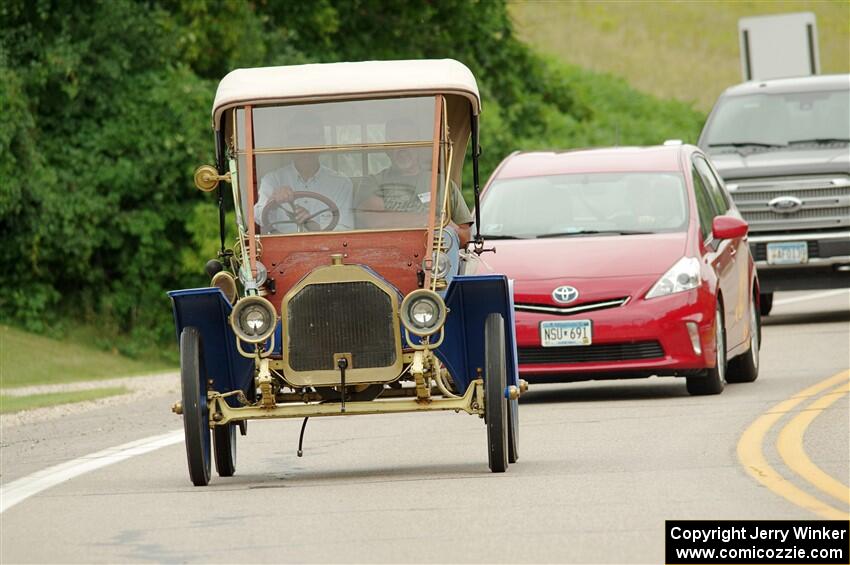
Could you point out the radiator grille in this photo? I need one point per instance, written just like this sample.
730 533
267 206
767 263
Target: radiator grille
836 213
742 198
825 202
591 353
347 317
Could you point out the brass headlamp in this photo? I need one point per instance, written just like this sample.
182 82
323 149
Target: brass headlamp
423 312
253 319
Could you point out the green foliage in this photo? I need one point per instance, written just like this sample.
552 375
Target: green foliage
105 114
99 173
28 359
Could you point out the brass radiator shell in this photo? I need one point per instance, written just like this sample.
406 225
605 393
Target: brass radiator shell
341 311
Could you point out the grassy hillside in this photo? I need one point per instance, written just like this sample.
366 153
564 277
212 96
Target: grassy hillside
682 50
28 359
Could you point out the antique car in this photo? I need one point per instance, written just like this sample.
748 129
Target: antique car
628 262
349 289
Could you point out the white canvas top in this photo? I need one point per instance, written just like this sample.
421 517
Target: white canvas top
336 81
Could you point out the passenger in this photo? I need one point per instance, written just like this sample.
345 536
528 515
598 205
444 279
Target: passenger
405 186
304 173
669 207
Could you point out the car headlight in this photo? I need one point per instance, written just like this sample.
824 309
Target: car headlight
253 319
423 312
682 276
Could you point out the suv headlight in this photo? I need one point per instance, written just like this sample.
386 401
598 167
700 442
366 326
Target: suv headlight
682 276
423 312
253 319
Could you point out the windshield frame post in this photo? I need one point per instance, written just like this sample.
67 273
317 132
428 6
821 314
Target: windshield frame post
432 207
477 240
249 163
220 166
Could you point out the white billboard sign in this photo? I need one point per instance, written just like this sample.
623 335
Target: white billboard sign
778 46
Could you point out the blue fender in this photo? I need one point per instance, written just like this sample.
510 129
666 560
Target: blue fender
207 309
470 299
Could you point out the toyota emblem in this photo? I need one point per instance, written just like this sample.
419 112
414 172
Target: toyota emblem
565 294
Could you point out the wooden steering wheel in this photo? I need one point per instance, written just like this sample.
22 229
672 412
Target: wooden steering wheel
288 208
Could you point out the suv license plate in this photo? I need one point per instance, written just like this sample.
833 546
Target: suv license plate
790 253
562 333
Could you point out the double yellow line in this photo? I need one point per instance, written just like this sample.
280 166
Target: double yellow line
789 444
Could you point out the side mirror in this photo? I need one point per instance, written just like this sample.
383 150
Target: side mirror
728 227
207 178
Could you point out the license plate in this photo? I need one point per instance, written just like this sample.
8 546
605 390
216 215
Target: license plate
562 333
787 253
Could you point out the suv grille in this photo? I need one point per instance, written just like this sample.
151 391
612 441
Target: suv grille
591 353
825 202
347 317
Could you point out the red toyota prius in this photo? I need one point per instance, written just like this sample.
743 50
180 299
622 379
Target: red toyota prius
627 262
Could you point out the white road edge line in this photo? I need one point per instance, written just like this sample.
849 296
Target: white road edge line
21 489
814 296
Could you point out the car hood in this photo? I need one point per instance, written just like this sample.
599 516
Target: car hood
586 256
783 162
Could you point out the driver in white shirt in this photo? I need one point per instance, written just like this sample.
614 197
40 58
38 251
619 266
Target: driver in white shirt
304 173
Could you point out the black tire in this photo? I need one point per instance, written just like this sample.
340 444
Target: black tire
713 381
193 381
224 448
496 405
745 367
513 431
765 303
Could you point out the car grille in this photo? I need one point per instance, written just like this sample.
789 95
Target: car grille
347 317
591 353
825 202
567 310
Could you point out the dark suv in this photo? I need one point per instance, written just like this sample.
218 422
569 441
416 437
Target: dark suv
783 148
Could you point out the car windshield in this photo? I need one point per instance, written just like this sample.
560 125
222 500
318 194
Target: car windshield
780 119
339 166
585 204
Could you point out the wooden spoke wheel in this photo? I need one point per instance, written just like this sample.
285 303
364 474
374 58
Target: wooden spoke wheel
193 380
496 406
513 430
224 448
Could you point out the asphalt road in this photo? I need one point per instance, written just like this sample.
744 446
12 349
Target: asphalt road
602 466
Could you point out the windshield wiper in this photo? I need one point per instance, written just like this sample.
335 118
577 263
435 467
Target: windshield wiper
593 232
501 236
745 144
819 140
